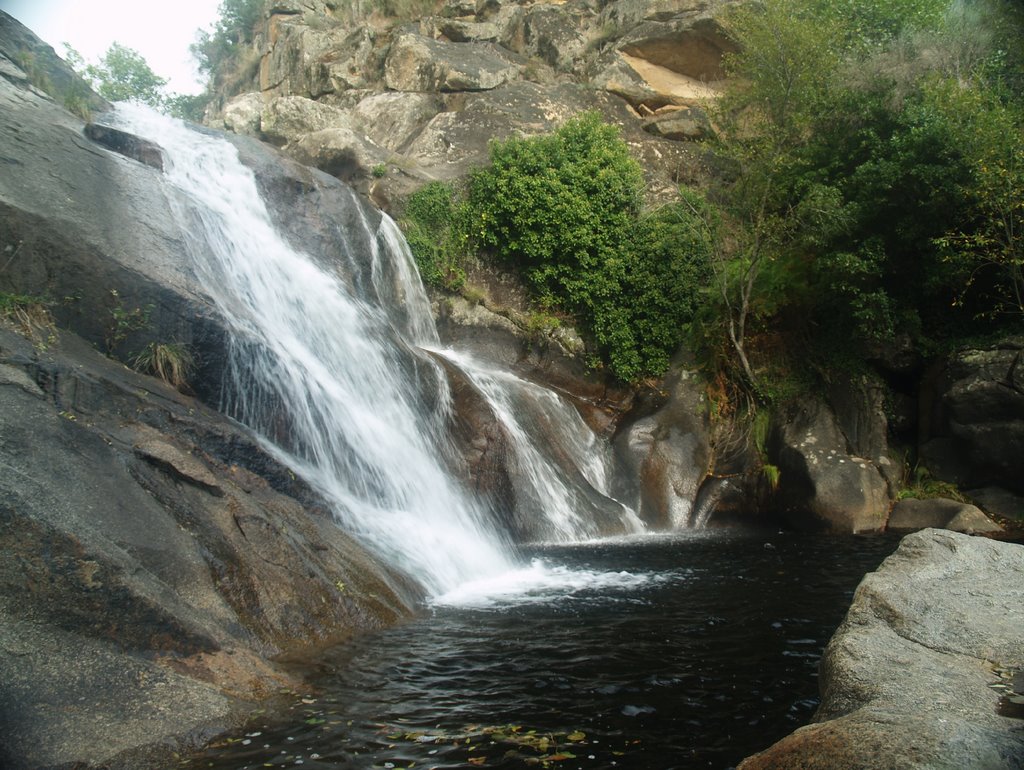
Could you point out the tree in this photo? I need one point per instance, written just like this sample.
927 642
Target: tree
122 75
990 244
232 30
782 75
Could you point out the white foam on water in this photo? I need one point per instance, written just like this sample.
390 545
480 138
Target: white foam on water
545 583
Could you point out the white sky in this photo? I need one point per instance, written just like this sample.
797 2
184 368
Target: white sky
160 30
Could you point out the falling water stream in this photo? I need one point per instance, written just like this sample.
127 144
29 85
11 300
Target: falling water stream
638 652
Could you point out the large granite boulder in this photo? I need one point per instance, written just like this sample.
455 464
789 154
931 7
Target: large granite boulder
668 452
418 63
552 33
392 119
823 484
917 674
972 418
287 119
458 138
298 57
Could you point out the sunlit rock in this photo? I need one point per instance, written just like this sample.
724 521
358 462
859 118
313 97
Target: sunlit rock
910 678
417 63
822 485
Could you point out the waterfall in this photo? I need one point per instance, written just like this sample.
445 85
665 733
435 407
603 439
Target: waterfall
556 458
330 379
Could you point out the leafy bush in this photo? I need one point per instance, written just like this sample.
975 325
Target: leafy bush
122 75
124 320
872 158
435 227
564 210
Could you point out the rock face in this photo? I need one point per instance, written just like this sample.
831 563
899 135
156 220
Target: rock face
480 72
418 63
668 453
972 423
822 484
150 569
953 515
907 680
153 557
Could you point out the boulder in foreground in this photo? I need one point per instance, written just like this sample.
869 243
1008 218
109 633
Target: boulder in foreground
921 673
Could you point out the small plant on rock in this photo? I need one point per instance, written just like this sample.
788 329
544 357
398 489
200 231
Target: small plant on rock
124 320
171 362
31 315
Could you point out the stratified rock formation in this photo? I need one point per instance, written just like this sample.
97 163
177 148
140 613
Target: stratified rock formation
917 676
423 100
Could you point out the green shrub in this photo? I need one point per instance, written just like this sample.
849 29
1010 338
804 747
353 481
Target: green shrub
124 320
564 211
435 227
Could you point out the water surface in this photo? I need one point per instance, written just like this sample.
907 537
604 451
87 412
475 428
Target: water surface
690 651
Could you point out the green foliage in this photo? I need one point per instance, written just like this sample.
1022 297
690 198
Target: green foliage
122 75
988 247
76 100
233 30
36 74
186 106
564 211
435 225
788 57
31 315
541 325
923 486
171 362
872 23
872 158
125 320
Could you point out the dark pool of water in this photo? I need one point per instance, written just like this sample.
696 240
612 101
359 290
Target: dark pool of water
704 652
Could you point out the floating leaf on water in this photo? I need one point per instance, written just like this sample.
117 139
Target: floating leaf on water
560 756
576 737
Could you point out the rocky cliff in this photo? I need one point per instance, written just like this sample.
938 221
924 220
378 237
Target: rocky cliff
155 559
388 104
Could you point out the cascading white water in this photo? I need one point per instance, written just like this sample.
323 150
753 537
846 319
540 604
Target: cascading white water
546 484
341 372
